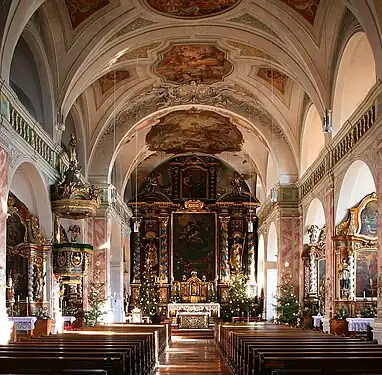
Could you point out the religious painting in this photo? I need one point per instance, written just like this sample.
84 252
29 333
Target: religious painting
194 131
191 8
307 8
369 220
16 231
275 78
321 276
80 10
194 245
366 273
112 79
194 184
200 63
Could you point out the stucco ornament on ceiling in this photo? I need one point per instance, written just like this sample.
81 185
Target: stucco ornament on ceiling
307 8
191 8
194 130
202 63
80 10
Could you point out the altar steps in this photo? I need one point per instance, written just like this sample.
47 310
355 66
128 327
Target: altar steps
196 334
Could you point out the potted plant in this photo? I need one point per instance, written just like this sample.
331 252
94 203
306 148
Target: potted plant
44 322
338 324
368 311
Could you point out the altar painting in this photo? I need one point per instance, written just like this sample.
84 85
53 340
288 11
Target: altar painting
193 244
194 184
321 276
369 219
366 273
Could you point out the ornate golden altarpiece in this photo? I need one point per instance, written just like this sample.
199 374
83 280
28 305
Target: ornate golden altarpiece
192 198
314 260
356 256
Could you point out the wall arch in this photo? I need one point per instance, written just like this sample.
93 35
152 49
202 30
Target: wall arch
356 75
357 183
29 186
312 140
261 263
272 248
314 215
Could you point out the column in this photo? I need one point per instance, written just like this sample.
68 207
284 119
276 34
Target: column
6 330
313 275
377 326
163 267
251 251
224 250
330 280
137 249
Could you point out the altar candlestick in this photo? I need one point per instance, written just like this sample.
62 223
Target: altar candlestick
18 298
364 295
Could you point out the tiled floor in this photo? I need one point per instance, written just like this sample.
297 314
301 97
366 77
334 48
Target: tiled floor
187 355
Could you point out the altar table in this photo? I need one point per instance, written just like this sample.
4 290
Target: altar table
359 324
194 320
24 323
174 308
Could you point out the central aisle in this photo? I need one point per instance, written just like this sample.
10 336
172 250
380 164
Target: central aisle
192 354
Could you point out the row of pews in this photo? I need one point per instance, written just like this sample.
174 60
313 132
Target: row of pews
117 349
270 349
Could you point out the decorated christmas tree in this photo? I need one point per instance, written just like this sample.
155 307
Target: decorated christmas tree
238 301
148 292
287 303
96 302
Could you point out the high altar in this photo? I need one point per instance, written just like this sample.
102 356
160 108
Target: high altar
194 225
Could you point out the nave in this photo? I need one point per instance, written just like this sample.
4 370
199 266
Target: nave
193 353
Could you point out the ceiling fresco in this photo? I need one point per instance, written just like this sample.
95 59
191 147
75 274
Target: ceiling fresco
194 131
307 8
111 79
275 78
191 8
80 10
202 63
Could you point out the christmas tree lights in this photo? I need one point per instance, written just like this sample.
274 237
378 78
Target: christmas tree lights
148 292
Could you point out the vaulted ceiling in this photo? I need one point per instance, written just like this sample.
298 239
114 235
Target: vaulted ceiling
134 73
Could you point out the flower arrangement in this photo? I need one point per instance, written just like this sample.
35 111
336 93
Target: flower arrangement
42 313
341 313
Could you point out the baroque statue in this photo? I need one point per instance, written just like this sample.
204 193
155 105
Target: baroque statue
313 232
344 277
236 254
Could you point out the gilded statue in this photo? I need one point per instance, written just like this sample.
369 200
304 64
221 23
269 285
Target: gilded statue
72 150
237 183
236 254
152 254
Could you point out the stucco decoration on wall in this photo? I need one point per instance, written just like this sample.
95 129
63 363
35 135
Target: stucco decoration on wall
194 130
275 78
111 79
191 8
307 8
80 10
184 63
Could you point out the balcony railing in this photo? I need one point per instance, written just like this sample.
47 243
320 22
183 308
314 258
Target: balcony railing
353 131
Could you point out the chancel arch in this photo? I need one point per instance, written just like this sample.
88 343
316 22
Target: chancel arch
357 61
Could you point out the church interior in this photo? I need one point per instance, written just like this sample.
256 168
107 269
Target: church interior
190 186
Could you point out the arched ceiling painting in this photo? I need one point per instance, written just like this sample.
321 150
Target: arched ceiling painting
191 8
194 130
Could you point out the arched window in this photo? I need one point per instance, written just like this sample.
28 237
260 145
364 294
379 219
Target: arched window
356 76
312 140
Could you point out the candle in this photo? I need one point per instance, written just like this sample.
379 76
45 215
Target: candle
364 294
18 298
27 300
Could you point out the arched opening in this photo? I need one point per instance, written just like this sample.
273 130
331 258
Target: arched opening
357 183
28 186
314 216
272 174
356 76
313 139
116 272
271 271
261 263
25 80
